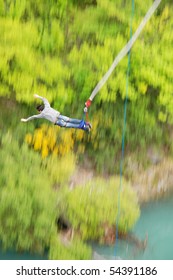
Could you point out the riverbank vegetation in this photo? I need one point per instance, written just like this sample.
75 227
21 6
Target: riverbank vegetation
60 50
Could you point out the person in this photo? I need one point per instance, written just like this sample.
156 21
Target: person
54 116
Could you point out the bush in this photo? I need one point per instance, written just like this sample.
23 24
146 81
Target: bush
27 212
90 207
72 250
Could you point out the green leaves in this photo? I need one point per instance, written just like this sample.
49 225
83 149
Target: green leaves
27 214
94 205
23 70
64 58
61 49
73 249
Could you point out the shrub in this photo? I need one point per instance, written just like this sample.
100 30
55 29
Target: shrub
90 207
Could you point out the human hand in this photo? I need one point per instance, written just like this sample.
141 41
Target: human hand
23 120
36 95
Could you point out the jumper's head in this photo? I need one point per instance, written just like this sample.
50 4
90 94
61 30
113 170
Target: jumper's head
40 108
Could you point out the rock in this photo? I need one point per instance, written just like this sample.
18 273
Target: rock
155 181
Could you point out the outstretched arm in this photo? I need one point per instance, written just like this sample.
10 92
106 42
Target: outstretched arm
45 101
31 118
46 104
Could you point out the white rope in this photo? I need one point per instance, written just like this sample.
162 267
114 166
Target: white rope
126 49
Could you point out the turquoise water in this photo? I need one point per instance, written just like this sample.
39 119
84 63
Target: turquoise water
157 221
12 255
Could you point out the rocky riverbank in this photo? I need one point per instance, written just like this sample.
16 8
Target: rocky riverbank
153 182
150 183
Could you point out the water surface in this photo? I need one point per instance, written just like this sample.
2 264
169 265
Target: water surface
156 220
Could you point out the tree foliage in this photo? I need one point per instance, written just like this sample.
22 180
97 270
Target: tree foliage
89 208
61 49
28 201
55 140
75 249
27 216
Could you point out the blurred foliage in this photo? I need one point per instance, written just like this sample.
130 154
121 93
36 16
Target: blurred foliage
55 140
98 206
60 49
27 216
29 209
75 249
59 169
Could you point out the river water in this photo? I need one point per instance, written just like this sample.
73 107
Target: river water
12 255
156 221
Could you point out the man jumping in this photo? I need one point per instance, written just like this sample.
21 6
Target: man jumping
54 116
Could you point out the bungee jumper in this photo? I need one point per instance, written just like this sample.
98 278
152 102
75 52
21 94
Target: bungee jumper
54 116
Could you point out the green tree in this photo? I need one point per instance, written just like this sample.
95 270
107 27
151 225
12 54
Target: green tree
78 41
29 203
74 249
27 214
89 208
